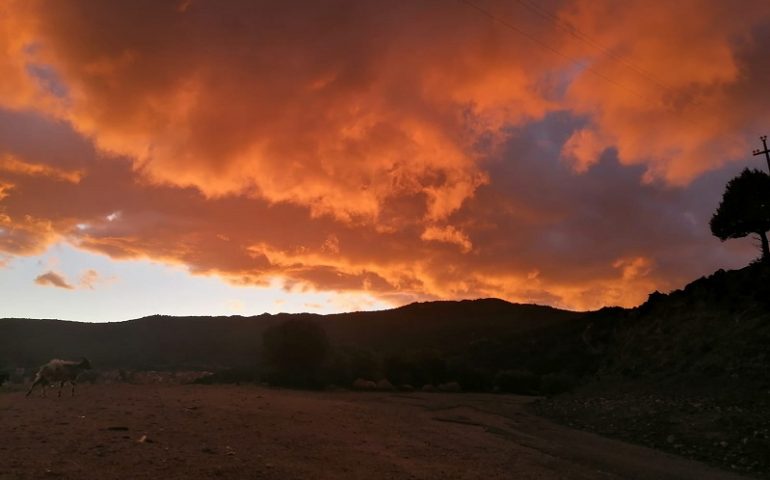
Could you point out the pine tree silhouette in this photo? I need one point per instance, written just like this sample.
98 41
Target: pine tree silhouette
745 209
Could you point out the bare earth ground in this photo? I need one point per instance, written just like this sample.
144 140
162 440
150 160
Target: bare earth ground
251 432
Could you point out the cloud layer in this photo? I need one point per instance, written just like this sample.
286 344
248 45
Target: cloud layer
53 279
566 152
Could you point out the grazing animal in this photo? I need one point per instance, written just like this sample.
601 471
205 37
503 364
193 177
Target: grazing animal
59 371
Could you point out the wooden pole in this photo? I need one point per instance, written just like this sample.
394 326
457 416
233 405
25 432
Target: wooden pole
765 151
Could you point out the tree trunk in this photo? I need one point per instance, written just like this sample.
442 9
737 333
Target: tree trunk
765 247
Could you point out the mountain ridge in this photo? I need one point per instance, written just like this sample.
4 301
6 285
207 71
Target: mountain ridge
225 341
717 325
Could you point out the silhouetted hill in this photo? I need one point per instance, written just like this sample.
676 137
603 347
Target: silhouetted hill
163 342
686 372
446 326
155 342
716 327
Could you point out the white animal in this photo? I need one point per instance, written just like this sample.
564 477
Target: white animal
59 371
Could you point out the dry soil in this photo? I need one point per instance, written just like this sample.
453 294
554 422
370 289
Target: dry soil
191 432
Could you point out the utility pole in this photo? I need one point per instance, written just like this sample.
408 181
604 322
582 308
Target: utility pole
765 151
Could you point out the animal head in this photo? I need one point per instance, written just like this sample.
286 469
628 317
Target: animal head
85 364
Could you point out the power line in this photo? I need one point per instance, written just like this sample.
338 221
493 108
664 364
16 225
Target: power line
551 49
582 36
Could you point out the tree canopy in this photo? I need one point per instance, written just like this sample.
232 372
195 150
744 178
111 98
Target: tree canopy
295 350
745 209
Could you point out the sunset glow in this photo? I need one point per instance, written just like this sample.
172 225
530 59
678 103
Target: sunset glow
347 155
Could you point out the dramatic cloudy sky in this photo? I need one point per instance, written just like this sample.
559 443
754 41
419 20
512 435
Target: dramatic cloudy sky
235 157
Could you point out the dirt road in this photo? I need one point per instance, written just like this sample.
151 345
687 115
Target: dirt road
190 432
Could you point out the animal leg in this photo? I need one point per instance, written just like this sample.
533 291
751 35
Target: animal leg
72 382
38 380
61 385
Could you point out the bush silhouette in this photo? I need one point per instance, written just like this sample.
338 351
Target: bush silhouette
294 352
555 383
517 381
343 365
745 209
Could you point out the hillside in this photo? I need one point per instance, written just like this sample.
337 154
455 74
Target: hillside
447 326
161 342
715 327
685 372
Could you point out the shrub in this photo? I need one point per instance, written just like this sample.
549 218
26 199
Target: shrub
450 387
399 369
470 377
553 383
230 375
363 384
294 352
517 381
363 363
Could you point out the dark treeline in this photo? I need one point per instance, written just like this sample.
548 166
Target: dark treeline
717 327
551 359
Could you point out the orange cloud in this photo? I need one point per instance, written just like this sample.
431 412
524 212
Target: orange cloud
411 151
684 88
53 279
11 164
342 123
26 235
448 234
584 148
90 279
343 108
5 188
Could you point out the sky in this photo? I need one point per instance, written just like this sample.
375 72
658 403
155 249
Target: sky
237 157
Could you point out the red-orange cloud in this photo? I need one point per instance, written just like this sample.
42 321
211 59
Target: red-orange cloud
11 164
539 153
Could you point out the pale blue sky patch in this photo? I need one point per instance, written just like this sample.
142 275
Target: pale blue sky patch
48 79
